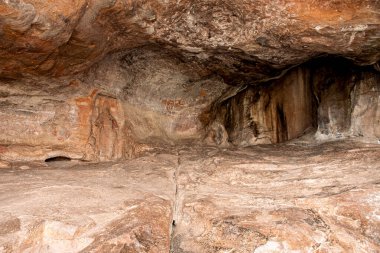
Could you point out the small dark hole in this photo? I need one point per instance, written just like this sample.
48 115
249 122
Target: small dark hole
173 223
58 159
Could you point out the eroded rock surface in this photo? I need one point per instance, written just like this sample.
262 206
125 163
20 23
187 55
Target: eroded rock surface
140 88
71 207
279 199
231 37
283 198
332 95
40 120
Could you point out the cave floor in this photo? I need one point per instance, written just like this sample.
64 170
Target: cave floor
282 198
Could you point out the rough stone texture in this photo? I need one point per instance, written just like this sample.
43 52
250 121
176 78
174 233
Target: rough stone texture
39 119
142 97
76 207
165 98
107 112
234 38
95 79
338 98
277 112
155 81
348 101
279 198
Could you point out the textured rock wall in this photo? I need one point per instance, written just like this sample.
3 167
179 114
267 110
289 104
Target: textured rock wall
332 95
144 95
41 119
348 101
234 37
150 95
163 96
276 112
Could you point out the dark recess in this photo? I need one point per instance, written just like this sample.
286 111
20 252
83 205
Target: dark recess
58 159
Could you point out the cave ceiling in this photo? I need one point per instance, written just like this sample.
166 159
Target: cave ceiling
242 41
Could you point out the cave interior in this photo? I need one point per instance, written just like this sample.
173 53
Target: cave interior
189 126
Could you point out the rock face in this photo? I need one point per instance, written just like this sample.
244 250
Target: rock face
125 126
282 199
231 37
197 199
348 102
277 112
62 119
106 208
97 80
164 97
338 98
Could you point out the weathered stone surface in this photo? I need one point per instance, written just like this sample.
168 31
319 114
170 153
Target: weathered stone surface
322 198
39 120
281 198
164 98
277 112
233 37
155 81
75 207
333 96
348 101
4 164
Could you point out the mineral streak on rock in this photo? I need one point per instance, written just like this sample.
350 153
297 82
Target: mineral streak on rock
189 126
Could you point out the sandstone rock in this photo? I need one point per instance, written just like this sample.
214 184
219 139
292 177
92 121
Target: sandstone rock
4 164
164 98
332 95
348 102
96 208
161 98
197 199
277 112
233 38
67 118
278 199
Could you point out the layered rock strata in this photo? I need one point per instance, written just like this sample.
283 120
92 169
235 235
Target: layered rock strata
279 198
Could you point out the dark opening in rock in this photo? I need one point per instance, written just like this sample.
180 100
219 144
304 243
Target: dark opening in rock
58 159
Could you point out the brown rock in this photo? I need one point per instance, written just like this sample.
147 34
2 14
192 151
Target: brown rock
4 165
334 96
124 126
49 38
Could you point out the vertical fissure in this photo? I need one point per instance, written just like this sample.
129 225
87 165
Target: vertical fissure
176 202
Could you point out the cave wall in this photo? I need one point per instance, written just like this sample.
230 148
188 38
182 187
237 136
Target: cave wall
40 119
333 96
164 96
66 37
275 112
148 96
45 118
348 101
110 112
97 80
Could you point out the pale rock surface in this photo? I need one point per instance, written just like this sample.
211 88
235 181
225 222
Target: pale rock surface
285 198
164 97
120 98
4 164
76 207
280 198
